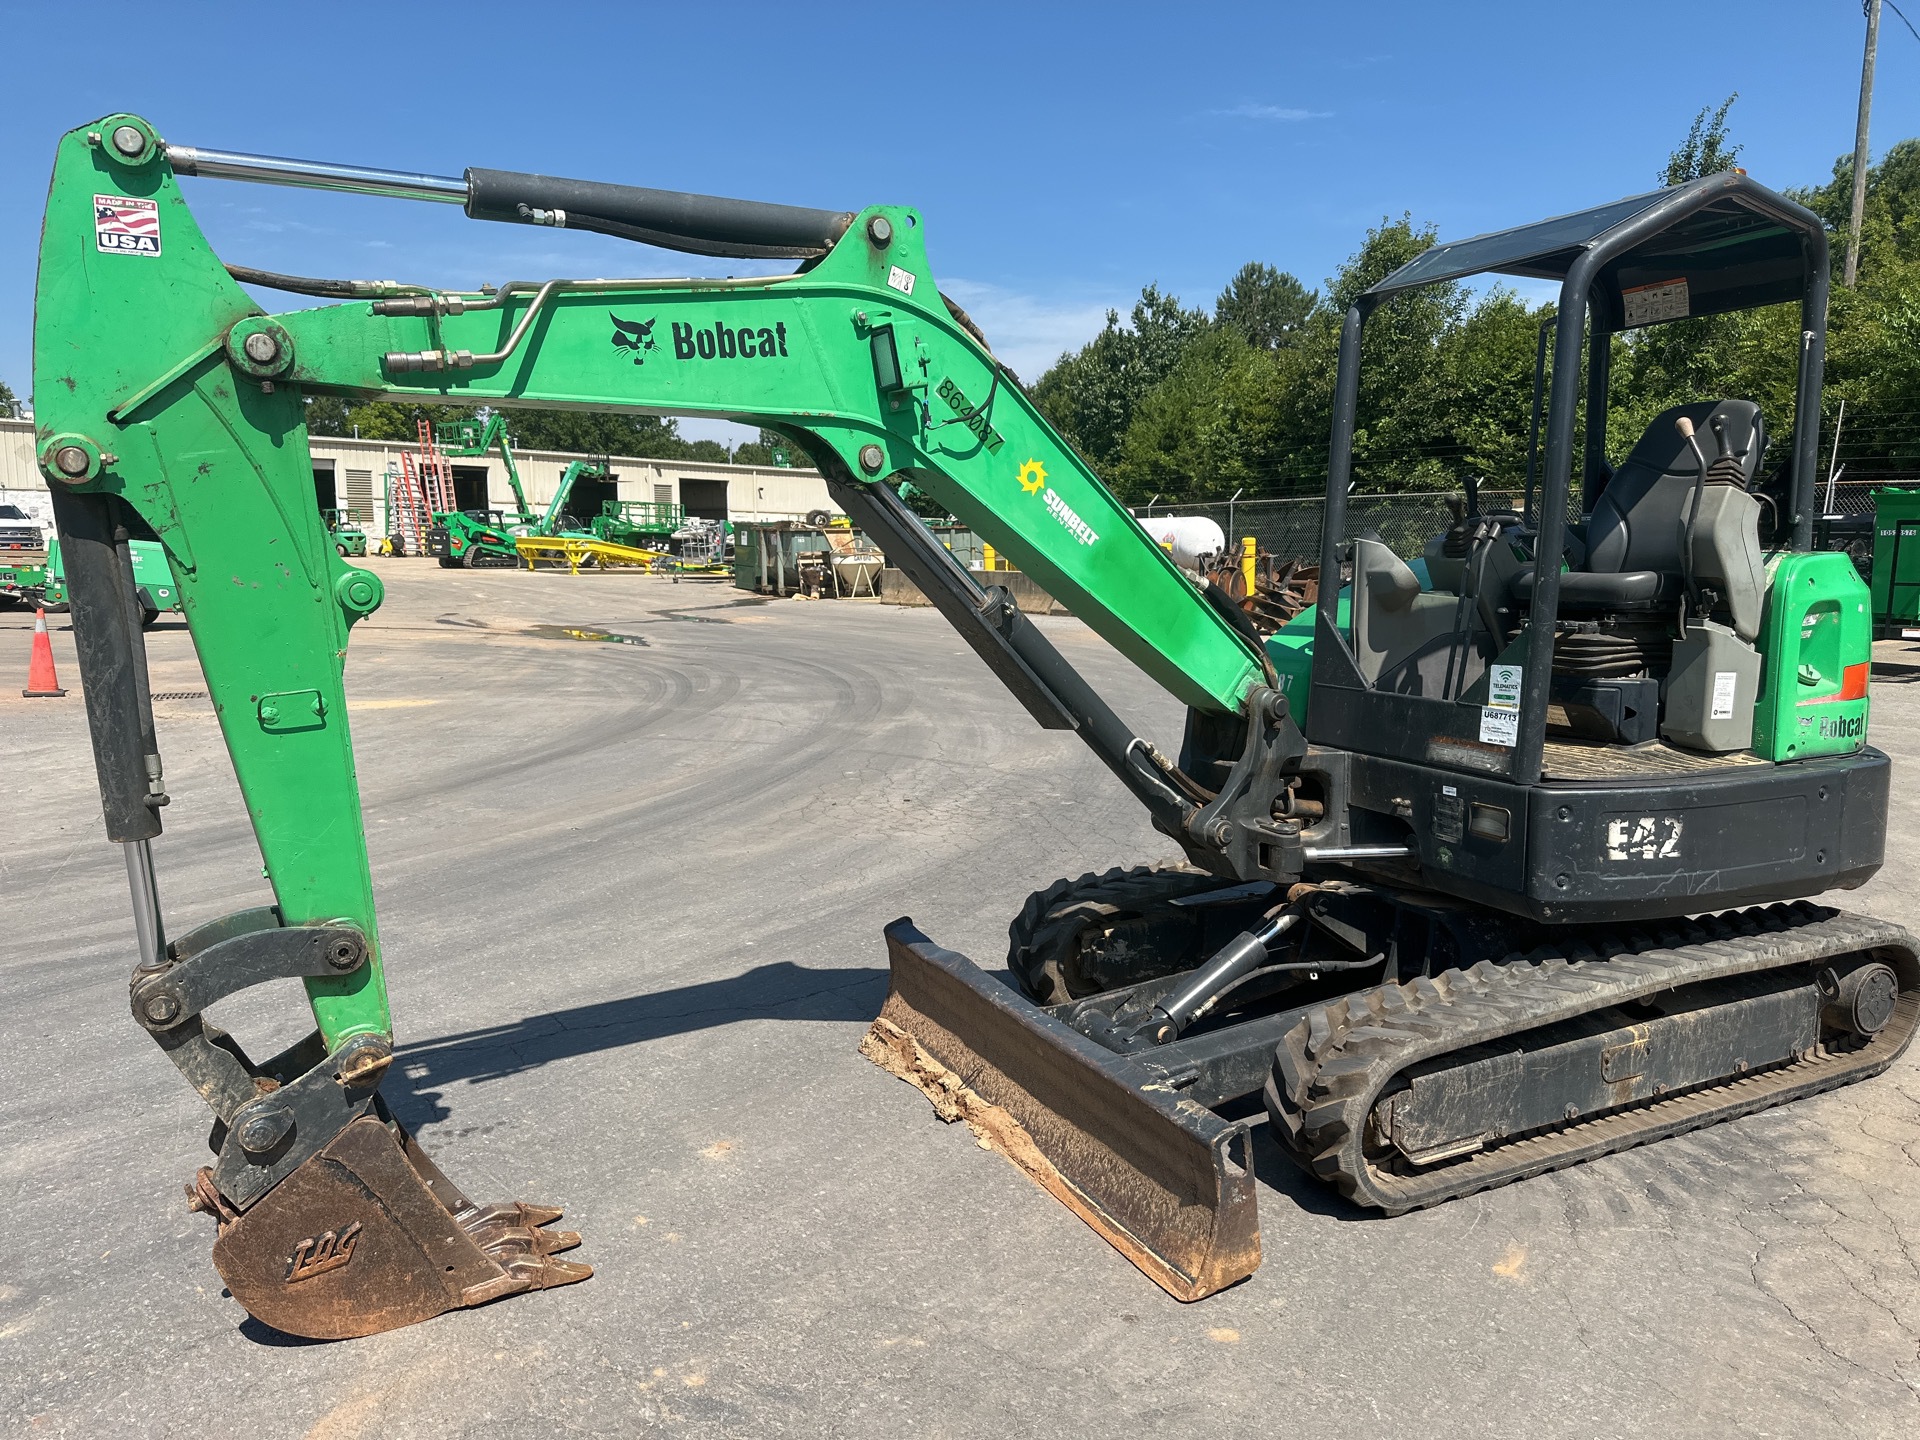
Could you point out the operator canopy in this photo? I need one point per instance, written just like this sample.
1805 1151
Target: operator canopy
1732 244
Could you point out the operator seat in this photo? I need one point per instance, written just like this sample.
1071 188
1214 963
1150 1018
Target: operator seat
1634 538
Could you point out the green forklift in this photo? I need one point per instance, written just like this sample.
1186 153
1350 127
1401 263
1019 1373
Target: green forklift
349 540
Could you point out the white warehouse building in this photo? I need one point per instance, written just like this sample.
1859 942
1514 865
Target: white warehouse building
350 475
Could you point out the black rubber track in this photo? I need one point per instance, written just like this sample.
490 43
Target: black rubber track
1332 1068
1044 939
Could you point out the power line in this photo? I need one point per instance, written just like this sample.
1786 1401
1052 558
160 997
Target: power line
1903 18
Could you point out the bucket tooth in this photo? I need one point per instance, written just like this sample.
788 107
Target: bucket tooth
368 1235
1166 1181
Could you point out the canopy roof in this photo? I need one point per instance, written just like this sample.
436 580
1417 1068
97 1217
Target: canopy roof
1729 243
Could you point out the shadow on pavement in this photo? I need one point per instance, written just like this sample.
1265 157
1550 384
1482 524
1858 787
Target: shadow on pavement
780 991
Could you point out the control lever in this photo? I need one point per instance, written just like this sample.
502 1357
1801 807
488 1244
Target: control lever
1685 427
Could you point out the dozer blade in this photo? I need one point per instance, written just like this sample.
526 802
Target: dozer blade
368 1235
1162 1178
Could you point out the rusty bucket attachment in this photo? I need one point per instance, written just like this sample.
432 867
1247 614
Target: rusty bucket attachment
1166 1181
368 1235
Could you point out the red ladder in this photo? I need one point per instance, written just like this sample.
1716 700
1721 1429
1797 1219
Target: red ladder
437 478
407 502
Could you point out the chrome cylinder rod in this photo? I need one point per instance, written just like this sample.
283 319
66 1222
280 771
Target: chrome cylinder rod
316 175
147 929
1357 852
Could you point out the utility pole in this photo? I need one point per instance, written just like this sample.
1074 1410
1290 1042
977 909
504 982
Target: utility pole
1872 8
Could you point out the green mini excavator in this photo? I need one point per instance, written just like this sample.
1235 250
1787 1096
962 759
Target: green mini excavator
1501 860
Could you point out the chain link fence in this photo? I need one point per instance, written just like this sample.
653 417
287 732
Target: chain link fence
1407 519
1290 529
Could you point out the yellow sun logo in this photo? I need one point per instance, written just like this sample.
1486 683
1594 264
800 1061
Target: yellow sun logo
1039 473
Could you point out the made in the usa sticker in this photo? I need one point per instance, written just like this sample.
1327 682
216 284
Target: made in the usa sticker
126 225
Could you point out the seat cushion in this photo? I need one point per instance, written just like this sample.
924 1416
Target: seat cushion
1621 590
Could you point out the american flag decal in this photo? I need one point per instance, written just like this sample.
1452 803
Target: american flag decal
123 225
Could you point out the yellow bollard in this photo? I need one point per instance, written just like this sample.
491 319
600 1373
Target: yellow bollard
1249 548
987 550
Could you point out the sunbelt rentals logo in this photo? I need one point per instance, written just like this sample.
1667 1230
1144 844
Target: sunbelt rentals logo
1033 480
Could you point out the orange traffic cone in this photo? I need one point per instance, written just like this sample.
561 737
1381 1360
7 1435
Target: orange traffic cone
42 683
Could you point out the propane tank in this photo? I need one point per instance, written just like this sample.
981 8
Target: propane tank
1192 540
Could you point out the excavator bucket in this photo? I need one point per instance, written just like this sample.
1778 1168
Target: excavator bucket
368 1235
1165 1180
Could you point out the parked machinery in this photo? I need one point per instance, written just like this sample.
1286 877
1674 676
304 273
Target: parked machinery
1503 861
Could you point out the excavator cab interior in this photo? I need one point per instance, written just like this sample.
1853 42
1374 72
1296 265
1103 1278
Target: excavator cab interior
1649 631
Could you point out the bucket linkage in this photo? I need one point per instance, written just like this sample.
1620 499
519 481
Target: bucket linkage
333 1221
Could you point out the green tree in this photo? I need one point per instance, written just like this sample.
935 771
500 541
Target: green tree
1706 150
1404 411
1090 396
1890 225
1214 425
377 419
589 432
9 402
580 432
1265 305
761 451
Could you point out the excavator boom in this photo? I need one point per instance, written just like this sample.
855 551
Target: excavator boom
169 393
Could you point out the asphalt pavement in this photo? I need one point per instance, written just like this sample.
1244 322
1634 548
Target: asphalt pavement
631 893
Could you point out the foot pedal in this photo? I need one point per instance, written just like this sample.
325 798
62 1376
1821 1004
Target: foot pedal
368 1235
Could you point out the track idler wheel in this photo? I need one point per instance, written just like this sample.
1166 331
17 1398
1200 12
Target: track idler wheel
368 1235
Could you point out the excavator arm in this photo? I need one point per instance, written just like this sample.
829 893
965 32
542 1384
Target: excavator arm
164 389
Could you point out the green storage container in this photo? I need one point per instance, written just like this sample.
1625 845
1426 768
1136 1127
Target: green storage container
1896 563
1817 641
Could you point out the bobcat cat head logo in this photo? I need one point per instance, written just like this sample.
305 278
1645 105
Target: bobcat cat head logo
633 335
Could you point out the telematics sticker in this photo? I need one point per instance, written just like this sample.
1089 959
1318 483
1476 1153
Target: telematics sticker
123 225
1503 686
901 280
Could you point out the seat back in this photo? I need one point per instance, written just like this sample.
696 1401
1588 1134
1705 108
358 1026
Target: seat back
1638 519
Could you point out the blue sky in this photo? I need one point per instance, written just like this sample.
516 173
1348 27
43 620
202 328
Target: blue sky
1063 155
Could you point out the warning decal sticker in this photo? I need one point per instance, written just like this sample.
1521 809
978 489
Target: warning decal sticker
1650 304
1725 683
123 225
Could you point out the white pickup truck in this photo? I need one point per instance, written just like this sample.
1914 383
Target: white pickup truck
18 530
